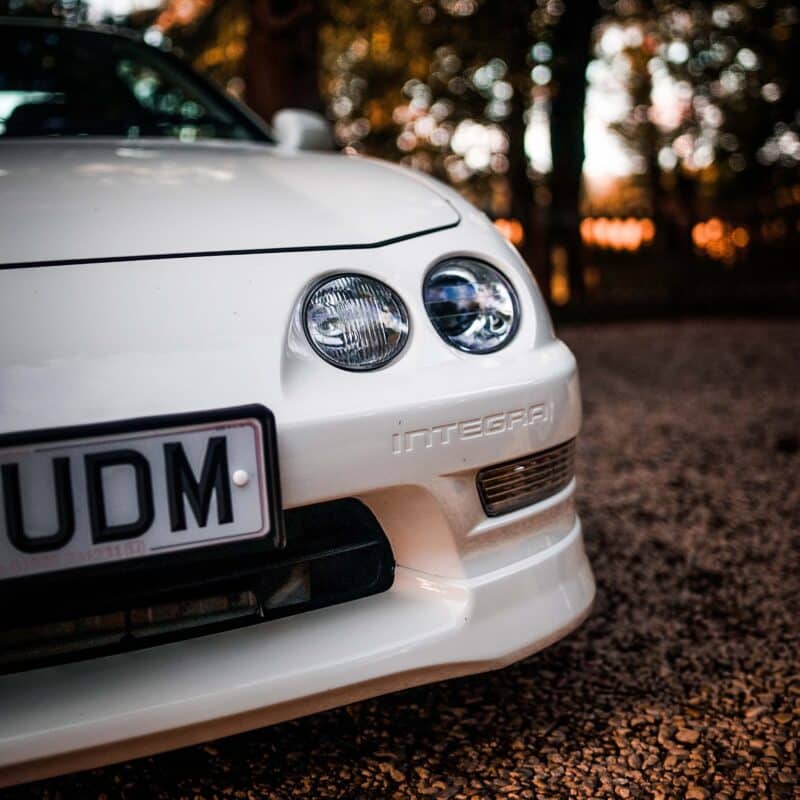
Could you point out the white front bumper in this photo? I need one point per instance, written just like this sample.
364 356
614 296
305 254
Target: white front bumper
470 592
425 628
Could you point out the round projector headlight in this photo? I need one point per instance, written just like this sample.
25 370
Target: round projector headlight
472 306
355 322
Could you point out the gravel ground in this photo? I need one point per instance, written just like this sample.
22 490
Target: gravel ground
684 682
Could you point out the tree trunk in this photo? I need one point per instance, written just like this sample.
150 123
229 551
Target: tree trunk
519 184
514 24
282 58
507 25
572 47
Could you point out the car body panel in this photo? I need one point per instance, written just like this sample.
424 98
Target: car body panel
117 199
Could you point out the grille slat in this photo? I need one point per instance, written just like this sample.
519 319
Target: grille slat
514 484
520 474
535 461
530 486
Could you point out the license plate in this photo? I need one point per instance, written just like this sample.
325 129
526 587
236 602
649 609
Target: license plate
106 493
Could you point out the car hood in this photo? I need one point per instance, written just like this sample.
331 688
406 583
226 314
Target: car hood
89 200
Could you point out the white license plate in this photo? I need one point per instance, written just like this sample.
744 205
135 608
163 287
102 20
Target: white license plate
93 499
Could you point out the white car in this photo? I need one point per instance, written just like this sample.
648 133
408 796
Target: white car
279 429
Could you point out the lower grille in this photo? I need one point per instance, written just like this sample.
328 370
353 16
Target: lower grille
334 552
514 484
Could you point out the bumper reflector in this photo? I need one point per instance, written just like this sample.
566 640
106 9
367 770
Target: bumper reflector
527 480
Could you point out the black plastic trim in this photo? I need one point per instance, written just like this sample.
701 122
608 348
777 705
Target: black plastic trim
325 537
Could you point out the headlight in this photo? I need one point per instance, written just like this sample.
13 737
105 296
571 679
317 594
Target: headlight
355 322
471 305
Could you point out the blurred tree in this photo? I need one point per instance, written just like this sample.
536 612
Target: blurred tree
444 84
571 44
448 85
715 116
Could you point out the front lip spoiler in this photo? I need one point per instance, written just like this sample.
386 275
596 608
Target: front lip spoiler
249 252
425 628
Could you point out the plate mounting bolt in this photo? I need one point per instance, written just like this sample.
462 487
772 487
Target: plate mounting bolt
241 478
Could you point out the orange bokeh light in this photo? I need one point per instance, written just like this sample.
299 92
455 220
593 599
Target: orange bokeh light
720 240
617 234
512 229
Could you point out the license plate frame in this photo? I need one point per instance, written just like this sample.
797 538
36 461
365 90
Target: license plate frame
121 582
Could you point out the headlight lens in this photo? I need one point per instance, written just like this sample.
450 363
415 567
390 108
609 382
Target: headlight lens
355 322
472 306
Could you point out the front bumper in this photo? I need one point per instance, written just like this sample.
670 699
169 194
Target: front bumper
470 592
425 628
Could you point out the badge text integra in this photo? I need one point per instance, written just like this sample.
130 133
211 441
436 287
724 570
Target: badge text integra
475 428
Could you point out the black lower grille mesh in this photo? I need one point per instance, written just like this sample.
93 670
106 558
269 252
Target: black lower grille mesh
514 484
334 552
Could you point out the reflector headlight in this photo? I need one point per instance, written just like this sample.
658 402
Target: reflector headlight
355 322
472 306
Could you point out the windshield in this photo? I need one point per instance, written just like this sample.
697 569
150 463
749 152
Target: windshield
68 82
